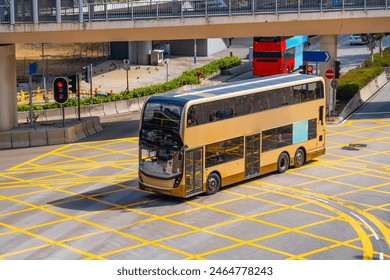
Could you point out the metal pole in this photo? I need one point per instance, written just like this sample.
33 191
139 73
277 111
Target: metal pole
127 80
63 115
43 66
30 101
90 85
194 51
78 96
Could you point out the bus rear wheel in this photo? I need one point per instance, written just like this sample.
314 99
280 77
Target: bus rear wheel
213 183
299 158
283 162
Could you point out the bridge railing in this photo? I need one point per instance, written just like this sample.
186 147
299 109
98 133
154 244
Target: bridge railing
18 11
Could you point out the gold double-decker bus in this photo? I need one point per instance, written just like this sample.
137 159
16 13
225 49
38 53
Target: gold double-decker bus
204 139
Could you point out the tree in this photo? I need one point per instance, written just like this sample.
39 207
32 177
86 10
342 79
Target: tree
369 40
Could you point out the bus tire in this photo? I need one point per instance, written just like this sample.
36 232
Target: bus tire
213 183
299 158
283 162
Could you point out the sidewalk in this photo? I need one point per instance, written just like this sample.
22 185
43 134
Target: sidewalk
111 75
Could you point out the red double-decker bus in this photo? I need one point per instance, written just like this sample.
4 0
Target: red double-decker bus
277 55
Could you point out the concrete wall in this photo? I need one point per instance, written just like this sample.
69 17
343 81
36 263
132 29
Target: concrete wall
8 99
204 47
215 45
137 52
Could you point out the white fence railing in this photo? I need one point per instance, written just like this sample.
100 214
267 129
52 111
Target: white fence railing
11 12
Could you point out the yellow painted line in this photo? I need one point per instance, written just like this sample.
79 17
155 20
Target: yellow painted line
51 242
367 246
37 158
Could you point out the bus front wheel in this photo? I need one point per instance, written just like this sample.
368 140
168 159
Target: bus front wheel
283 162
299 158
213 183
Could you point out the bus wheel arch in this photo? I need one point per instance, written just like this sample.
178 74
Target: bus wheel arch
213 183
283 162
299 157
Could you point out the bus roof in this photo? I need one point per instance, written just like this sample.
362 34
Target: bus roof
236 87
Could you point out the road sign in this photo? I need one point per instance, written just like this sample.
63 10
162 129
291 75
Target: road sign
315 56
126 64
32 68
329 74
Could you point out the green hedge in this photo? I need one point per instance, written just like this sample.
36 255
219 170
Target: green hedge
187 78
353 81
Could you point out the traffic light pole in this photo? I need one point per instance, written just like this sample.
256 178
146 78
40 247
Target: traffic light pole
30 101
78 96
63 115
90 82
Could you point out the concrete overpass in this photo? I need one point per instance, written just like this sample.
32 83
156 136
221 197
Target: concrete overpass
67 21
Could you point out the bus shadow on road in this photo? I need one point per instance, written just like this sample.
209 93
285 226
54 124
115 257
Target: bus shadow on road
123 197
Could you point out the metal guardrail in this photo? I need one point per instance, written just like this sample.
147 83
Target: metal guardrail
69 11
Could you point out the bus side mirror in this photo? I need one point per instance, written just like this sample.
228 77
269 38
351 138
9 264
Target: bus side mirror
180 156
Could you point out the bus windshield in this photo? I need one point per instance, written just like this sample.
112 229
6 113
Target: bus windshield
162 114
160 152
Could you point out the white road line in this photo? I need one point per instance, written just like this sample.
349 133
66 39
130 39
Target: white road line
369 227
372 113
316 198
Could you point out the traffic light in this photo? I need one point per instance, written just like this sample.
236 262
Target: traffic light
60 87
73 83
86 74
304 68
337 69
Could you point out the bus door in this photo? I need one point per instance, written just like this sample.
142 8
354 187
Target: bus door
252 155
194 171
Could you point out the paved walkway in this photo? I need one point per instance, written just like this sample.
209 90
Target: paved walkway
111 75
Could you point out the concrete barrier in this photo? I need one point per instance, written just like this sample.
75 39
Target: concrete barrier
5 141
53 114
56 137
20 139
122 106
363 95
109 108
96 124
89 127
96 110
38 138
80 133
23 116
84 111
70 135
49 134
70 113
136 104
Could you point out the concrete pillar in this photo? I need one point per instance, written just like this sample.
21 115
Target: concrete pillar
35 11
58 11
139 52
329 43
8 100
